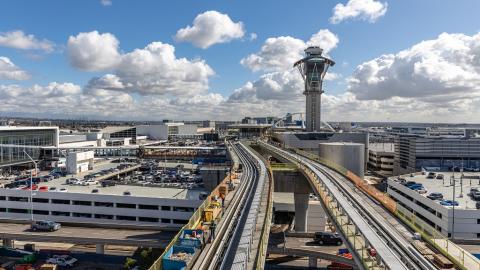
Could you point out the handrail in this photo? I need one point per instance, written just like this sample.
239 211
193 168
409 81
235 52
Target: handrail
263 245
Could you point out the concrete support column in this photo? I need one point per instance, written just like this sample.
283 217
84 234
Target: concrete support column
7 243
312 262
100 249
301 211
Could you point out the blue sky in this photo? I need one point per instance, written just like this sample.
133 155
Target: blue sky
135 24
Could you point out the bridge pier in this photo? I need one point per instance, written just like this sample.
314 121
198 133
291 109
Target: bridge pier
312 262
100 248
7 243
301 211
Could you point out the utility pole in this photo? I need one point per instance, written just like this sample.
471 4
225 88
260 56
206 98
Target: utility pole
31 184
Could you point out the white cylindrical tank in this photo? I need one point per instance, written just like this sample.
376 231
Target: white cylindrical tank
346 154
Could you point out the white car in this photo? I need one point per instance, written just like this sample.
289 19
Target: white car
91 182
62 260
62 190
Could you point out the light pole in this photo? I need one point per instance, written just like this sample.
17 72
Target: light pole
31 184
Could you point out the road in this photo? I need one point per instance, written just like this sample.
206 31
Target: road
87 235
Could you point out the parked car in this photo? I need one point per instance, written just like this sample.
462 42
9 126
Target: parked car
71 181
62 260
435 196
127 193
473 190
63 189
449 203
43 188
327 238
476 196
45 225
440 176
477 205
95 190
47 178
91 182
421 191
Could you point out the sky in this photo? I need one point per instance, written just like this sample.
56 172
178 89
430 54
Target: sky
396 60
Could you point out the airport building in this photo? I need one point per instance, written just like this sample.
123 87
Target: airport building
12 138
381 158
414 152
108 206
440 215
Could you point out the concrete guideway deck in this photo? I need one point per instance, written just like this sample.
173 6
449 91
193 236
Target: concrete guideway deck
243 247
346 213
236 242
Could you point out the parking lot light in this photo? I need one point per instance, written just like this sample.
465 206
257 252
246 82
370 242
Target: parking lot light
31 185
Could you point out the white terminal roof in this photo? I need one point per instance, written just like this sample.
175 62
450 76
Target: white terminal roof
446 188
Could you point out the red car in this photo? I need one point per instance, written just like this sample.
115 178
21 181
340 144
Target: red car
43 188
35 187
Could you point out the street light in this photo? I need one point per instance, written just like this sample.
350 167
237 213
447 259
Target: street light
31 184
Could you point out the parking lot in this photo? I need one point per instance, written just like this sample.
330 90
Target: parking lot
121 172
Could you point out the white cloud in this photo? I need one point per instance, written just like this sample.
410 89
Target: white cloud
211 27
253 36
369 10
156 70
93 51
53 89
446 68
19 40
106 2
285 85
434 81
280 53
9 71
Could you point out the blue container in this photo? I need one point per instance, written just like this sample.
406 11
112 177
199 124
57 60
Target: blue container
191 242
170 264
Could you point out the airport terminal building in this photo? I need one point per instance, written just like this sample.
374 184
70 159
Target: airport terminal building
414 152
12 138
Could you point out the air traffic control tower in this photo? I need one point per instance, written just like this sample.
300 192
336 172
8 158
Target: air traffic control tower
313 68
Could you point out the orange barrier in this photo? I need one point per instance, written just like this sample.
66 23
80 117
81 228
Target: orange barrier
381 197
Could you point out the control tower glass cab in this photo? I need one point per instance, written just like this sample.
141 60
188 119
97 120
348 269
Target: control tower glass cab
313 68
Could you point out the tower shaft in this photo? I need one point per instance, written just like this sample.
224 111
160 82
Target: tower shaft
313 110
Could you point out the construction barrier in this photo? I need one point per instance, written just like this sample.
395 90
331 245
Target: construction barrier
381 197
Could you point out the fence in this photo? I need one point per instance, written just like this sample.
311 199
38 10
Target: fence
452 251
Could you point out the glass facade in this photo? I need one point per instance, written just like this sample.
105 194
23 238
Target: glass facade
24 137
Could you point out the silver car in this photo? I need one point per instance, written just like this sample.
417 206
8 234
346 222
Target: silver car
45 225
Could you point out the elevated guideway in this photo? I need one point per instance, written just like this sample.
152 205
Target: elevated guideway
237 237
243 235
360 226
